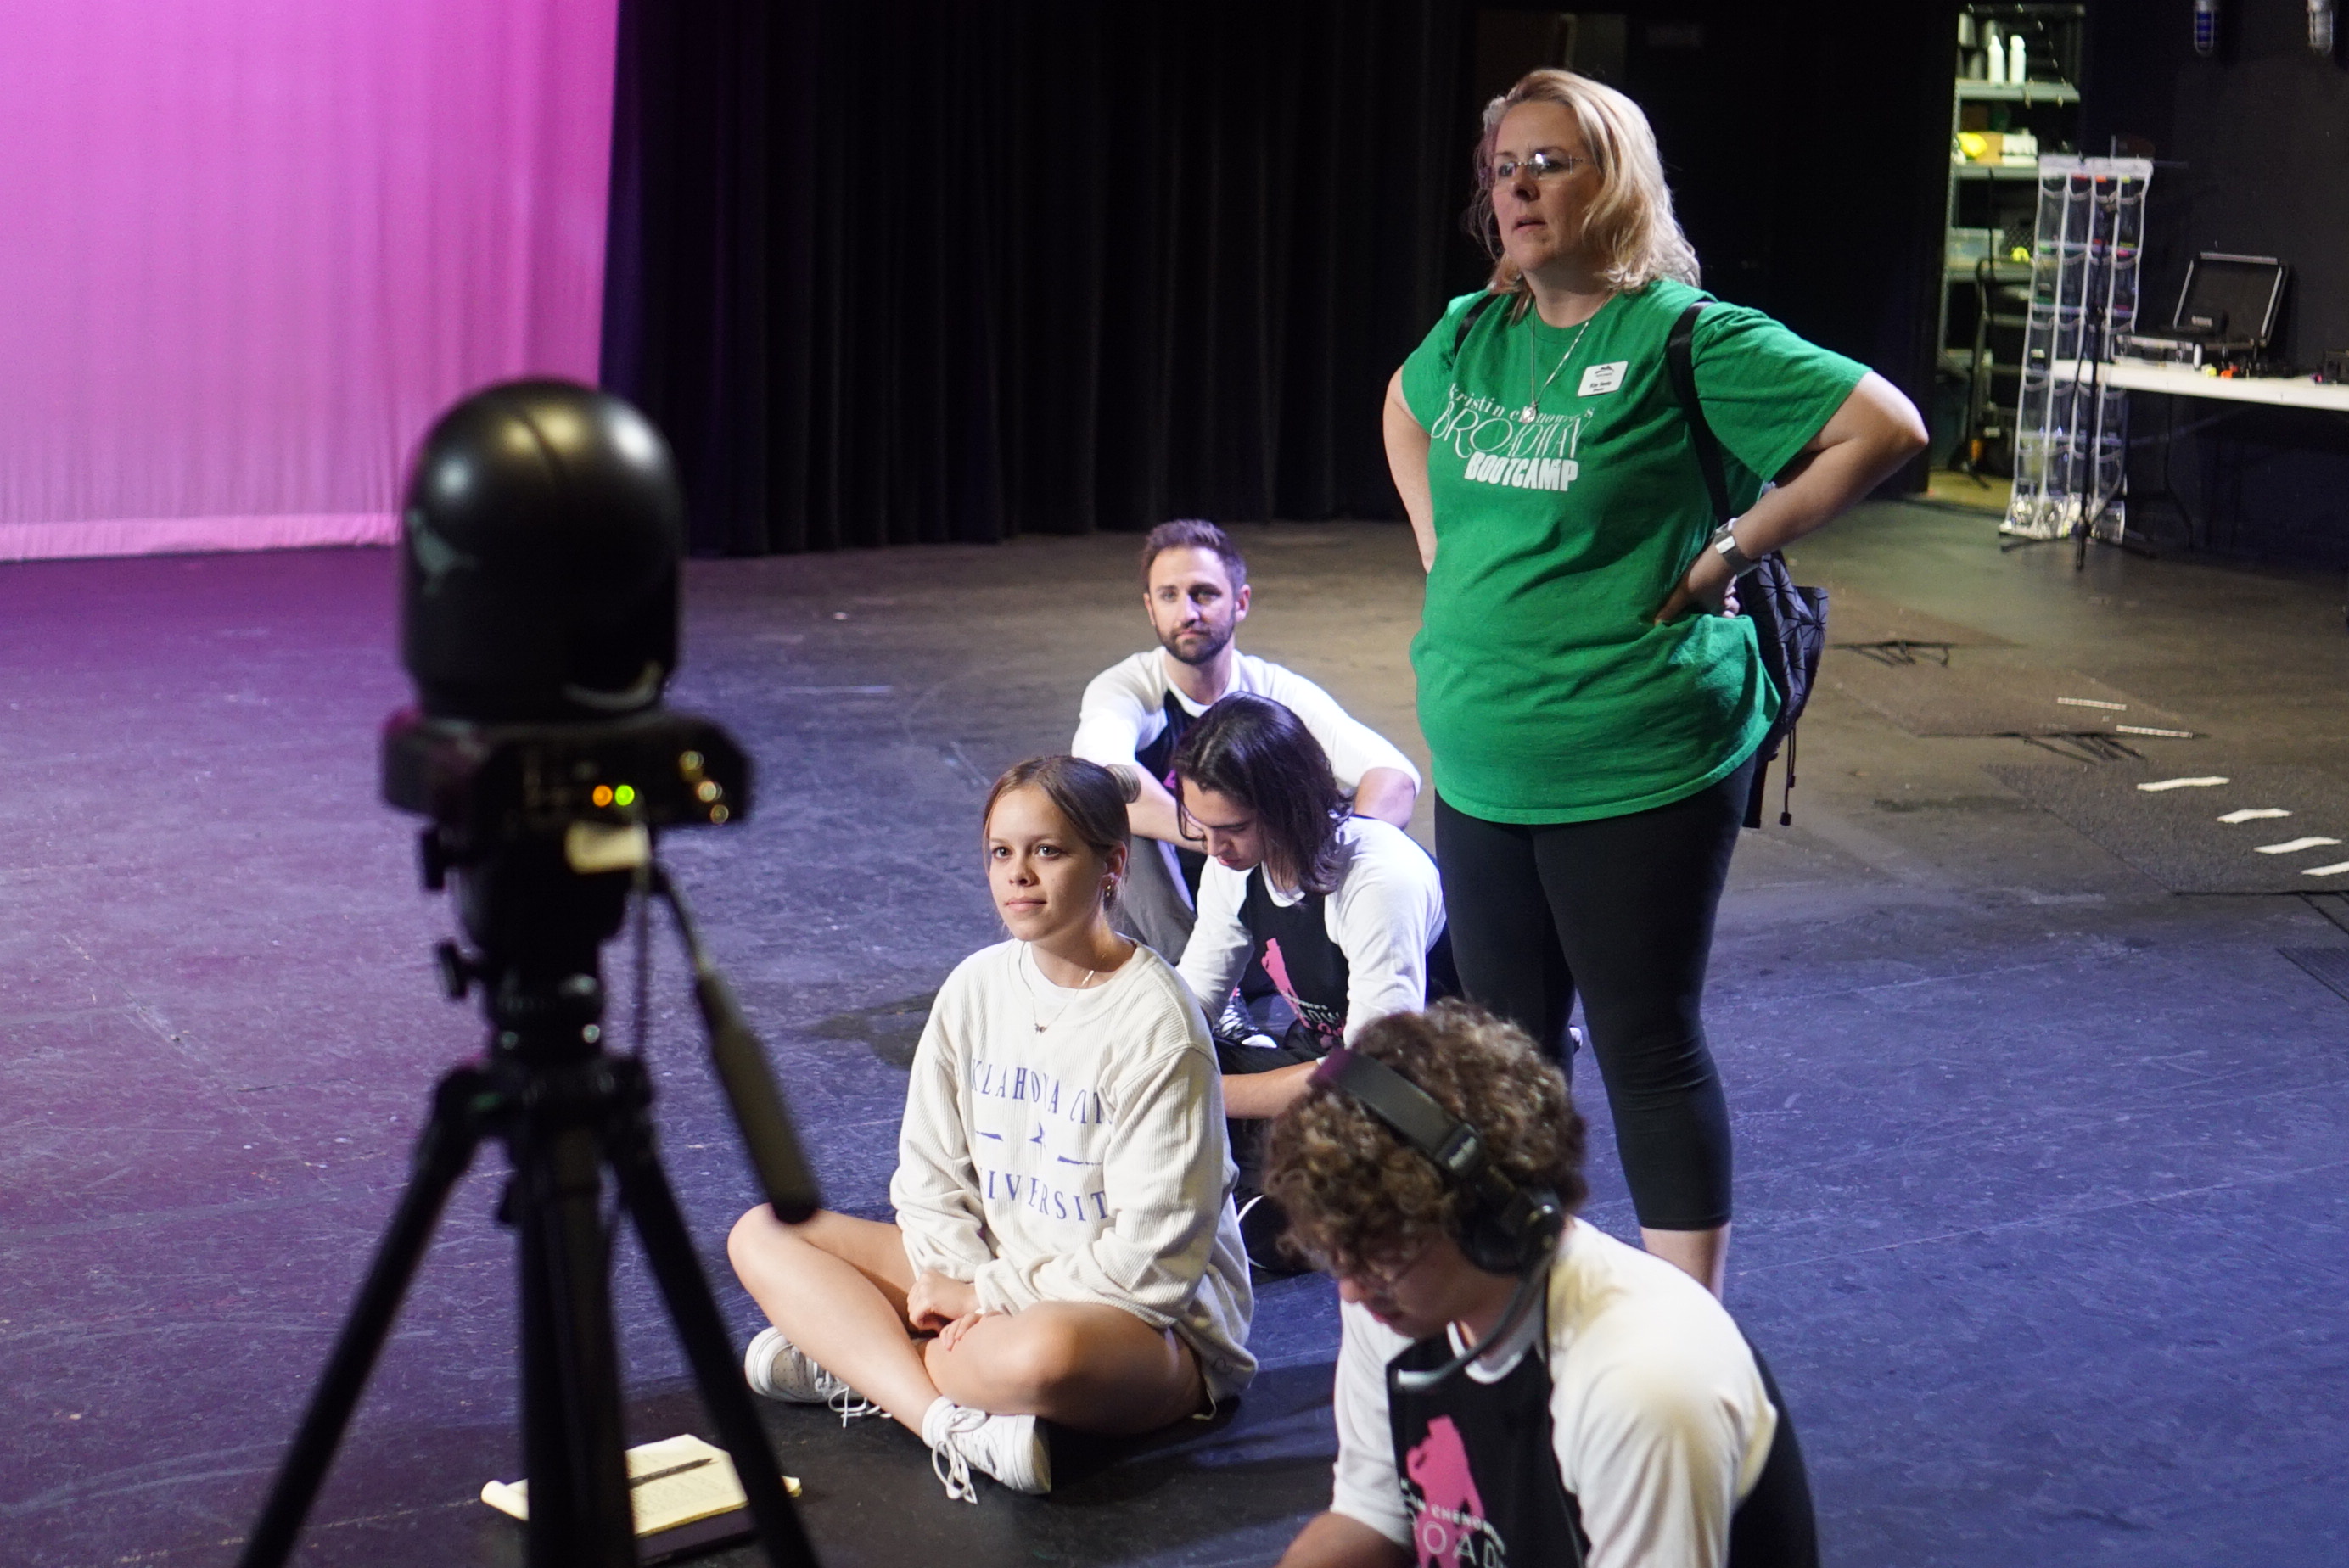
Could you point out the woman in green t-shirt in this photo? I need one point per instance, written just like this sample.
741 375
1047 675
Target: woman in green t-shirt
1591 711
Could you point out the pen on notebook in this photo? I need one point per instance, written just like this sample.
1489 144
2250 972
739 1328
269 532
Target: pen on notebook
637 1480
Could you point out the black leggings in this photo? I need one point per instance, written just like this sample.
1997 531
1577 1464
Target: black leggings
1620 909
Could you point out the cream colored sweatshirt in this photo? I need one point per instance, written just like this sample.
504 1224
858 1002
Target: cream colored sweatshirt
1082 1162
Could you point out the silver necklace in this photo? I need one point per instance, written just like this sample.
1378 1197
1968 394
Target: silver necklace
1534 402
1036 1015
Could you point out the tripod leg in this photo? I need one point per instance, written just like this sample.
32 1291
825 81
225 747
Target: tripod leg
444 1151
669 1247
580 1512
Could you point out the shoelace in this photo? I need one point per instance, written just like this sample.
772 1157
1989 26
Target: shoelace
842 1400
849 1405
947 1461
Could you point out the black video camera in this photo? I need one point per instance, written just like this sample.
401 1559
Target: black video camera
541 537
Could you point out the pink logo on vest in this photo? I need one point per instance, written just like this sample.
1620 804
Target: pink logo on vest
1447 1516
1330 1027
1277 968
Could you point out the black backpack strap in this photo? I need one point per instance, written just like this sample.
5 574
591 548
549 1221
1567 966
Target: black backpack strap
1680 356
1469 319
1680 360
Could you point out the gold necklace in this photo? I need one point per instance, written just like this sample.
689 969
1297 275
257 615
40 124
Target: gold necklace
1534 402
1034 1015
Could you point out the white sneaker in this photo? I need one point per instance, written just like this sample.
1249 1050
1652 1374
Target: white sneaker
778 1369
1008 1448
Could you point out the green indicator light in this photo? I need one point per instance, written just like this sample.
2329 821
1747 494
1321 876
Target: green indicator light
625 795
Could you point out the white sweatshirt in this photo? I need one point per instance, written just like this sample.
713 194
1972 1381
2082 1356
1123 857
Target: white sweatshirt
1658 1418
1124 709
1384 915
1085 1162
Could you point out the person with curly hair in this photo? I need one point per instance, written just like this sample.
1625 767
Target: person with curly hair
1064 1249
1591 714
1625 1422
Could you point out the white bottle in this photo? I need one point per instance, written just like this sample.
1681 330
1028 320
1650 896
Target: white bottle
1993 52
2018 60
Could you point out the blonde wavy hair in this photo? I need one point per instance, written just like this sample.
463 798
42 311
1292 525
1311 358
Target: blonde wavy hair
1629 223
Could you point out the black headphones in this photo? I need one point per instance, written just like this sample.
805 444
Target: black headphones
1501 1227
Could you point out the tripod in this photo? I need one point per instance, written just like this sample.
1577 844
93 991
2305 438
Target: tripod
565 1109
2097 501
2100 499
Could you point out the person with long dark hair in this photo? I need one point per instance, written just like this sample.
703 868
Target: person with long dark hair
1342 910
1591 714
1065 1247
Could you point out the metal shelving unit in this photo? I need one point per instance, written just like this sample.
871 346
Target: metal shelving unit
1988 210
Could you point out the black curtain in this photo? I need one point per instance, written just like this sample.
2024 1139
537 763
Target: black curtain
921 271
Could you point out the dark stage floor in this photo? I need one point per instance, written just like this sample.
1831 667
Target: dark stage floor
2041 1167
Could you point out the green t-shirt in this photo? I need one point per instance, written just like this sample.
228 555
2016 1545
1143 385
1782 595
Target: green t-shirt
1546 693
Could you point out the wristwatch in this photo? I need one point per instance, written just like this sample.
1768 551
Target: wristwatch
1725 544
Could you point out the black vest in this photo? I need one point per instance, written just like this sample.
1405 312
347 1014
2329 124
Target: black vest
1311 973
1157 760
1479 1473
1308 970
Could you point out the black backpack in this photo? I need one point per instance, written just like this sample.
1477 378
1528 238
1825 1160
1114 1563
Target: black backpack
1791 621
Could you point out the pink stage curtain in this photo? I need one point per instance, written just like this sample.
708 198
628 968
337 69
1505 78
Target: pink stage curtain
250 248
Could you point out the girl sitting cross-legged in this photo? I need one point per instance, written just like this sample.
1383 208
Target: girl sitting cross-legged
1065 1248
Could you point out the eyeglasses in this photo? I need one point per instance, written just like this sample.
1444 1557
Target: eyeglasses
1381 1278
1544 167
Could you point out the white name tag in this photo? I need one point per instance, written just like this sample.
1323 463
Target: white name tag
1602 379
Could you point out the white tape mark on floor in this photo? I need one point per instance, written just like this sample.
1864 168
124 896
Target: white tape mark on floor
2293 846
2164 733
2201 781
2254 814
2334 870
2092 702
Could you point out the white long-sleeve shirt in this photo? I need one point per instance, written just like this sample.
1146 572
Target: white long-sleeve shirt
1383 915
1124 709
1085 1162
1657 1416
